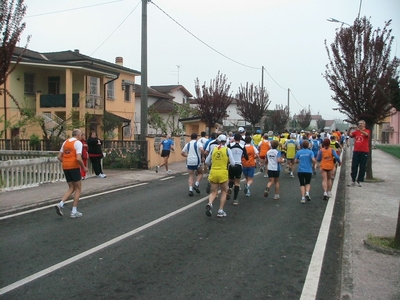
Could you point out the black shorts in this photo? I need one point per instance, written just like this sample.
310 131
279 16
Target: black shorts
235 172
73 175
273 174
165 153
304 178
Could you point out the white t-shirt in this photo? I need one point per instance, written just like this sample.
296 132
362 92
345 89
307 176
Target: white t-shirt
193 150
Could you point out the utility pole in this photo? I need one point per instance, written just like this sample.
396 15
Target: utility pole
143 104
288 97
262 83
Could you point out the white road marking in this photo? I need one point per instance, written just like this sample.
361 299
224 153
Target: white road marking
68 201
167 178
73 259
310 287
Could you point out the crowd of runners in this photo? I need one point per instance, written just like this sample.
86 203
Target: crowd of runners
227 157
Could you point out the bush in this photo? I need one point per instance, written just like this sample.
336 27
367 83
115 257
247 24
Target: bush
34 142
123 159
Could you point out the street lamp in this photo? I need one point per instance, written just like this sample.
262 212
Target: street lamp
337 21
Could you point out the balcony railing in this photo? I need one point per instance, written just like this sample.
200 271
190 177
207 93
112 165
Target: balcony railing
90 101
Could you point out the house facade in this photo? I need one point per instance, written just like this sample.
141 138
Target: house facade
67 88
162 99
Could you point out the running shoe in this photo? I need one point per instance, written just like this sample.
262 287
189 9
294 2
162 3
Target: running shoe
314 172
303 201
169 172
276 197
76 215
157 169
261 169
326 198
308 198
208 209
291 175
59 210
103 175
235 202
196 188
329 194
266 191
191 193
359 183
265 176
221 213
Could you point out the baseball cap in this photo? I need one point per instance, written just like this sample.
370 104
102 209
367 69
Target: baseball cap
270 133
222 138
241 129
302 131
258 131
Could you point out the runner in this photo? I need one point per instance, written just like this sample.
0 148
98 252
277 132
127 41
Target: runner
305 158
290 147
235 172
263 148
249 166
165 150
274 166
326 158
218 161
193 153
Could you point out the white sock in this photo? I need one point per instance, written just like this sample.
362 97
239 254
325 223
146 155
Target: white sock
197 183
190 188
61 204
74 210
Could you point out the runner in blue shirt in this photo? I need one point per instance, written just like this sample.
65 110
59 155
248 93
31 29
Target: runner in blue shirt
165 149
306 160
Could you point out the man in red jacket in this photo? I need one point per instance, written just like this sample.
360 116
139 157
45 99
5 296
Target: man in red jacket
361 137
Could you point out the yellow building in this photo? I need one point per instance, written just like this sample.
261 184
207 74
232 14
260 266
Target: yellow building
64 86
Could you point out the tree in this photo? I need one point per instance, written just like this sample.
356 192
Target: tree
280 117
252 103
11 15
213 101
321 124
359 73
304 118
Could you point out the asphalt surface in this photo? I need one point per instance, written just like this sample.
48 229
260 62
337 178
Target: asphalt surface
371 209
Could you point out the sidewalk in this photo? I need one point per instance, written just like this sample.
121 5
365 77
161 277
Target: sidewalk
371 209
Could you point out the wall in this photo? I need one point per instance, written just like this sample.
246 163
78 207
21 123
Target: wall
154 157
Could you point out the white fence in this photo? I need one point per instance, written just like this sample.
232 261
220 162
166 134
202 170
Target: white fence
22 173
17 171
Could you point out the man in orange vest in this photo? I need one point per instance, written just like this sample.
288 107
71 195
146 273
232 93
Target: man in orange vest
70 156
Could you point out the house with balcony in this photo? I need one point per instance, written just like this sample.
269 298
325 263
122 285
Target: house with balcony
68 86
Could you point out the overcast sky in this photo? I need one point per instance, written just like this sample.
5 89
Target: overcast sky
235 37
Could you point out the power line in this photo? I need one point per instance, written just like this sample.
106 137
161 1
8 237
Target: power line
116 28
201 41
70 9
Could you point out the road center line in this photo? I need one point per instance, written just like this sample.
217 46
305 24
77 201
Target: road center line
73 259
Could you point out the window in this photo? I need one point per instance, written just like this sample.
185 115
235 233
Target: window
54 85
110 90
29 83
94 86
127 92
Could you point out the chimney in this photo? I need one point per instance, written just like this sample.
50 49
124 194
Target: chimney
119 61
76 50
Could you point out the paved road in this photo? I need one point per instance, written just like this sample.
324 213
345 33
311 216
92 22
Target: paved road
155 242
